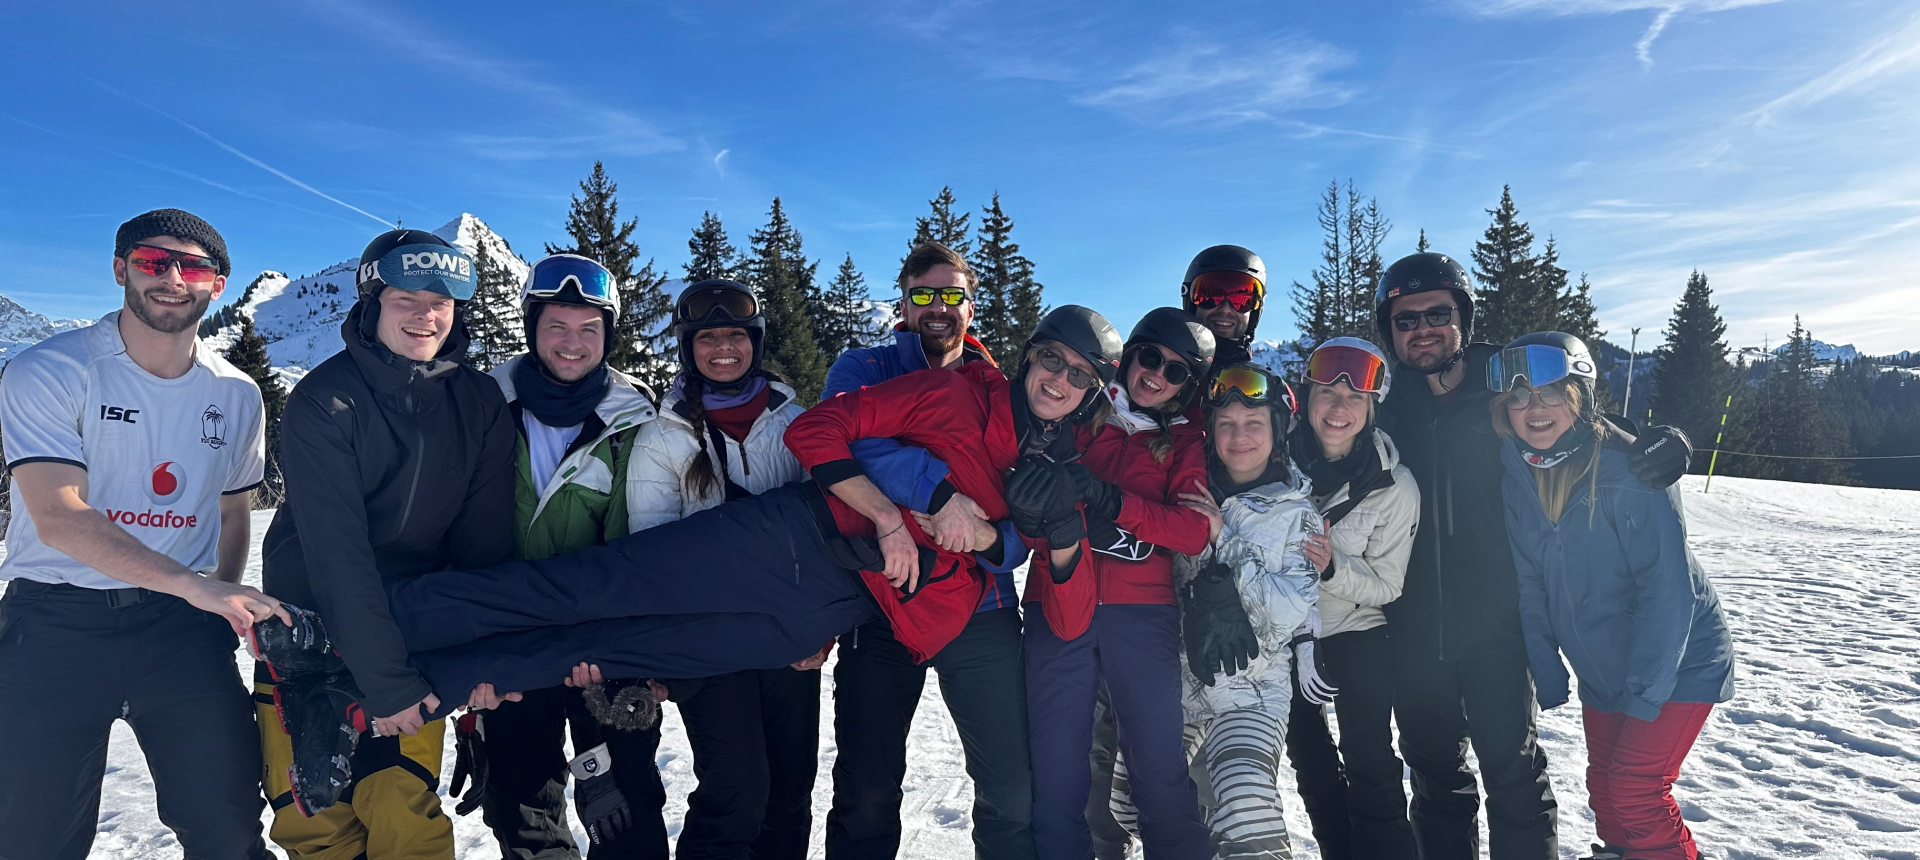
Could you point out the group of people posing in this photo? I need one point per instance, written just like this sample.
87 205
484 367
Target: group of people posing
548 552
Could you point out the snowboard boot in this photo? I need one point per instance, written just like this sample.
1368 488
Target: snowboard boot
1605 852
626 704
321 715
294 651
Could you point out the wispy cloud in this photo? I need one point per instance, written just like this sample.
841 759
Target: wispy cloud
589 127
1200 78
1897 51
1664 13
720 162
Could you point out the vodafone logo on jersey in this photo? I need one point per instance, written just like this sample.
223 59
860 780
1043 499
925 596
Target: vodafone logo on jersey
165 486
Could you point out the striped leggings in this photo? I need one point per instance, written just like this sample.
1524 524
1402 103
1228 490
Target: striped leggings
1242 750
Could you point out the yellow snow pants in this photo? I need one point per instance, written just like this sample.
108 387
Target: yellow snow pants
390 812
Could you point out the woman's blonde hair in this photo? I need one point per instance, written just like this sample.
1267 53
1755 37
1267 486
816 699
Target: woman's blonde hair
1555 483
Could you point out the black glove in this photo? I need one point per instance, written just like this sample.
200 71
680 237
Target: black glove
1028 489
470 760
1103 499
1064 524
1660 456
602 808
1218 634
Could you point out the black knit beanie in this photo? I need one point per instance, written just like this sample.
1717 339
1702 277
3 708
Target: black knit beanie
178 223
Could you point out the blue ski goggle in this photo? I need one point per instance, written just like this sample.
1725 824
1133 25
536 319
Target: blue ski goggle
1534 365
552 275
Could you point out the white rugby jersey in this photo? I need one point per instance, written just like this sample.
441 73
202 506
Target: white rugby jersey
159 453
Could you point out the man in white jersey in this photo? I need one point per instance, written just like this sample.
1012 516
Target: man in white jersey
135 450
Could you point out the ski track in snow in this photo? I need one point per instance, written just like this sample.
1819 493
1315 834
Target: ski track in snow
1818 755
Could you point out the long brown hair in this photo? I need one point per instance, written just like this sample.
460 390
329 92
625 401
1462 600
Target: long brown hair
1555 483
1163 415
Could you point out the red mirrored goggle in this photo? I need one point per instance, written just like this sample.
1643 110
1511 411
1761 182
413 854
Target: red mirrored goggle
155 261
1363 370
1239 290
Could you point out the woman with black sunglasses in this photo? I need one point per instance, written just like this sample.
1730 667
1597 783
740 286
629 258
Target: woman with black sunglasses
1117 622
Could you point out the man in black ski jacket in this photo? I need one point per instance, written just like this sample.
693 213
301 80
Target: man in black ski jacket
1460 668
398 461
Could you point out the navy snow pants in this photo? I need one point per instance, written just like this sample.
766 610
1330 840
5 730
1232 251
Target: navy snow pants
1136 649
746 585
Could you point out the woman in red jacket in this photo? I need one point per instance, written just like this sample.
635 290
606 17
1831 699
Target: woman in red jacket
1121 624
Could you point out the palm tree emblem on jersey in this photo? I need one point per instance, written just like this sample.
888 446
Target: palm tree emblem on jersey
213 427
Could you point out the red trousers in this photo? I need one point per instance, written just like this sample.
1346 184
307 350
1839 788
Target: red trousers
1631 766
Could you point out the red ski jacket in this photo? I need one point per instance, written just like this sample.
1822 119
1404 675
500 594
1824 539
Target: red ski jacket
964 417
1150 509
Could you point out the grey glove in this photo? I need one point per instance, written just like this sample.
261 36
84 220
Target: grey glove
602 808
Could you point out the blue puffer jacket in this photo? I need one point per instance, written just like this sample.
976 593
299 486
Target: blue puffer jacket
1618 592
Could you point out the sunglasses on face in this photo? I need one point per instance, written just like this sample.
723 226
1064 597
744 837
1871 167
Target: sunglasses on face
155 261
1435 317
949 296
1521 398
1174 372
1238 290
1054 362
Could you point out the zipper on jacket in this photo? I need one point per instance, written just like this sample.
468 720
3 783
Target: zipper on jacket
419 447
1439 566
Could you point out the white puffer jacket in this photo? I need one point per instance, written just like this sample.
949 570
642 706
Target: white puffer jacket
1370 548
1260 537
664 449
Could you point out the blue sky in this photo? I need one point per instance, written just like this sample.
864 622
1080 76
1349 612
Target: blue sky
1774 144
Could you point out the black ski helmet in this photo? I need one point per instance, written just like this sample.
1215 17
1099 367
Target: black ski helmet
367 278
1181 332
717 316
1580 363
1085 331
1226 258
1421 273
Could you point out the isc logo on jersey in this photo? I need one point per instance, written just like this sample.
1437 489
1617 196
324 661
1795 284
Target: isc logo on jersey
165 486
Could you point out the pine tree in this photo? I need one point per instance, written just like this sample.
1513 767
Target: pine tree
711 255
249 353
779 272
1422 247
641 343
1513 297
941 225
1691 376
493 318
1340 301
846 323
1008 304
1790 417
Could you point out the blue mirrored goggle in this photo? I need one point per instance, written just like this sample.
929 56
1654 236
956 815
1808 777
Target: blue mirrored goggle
1534 364
552 275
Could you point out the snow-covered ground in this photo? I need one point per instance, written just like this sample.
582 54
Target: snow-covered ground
1818 756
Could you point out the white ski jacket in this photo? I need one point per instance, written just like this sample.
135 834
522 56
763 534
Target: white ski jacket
1260 538
1370 548
657 490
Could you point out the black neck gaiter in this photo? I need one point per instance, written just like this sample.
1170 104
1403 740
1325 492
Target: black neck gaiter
558 404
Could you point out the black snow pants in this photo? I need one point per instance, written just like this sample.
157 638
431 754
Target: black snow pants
73 660
1441 705
756 749
1356 797
526 792
746 585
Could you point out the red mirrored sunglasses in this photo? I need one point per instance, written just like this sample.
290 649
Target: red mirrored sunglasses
155 261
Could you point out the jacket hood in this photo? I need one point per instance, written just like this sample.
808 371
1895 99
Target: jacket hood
386 371
625 394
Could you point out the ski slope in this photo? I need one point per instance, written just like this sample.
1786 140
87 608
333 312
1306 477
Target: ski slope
1818 756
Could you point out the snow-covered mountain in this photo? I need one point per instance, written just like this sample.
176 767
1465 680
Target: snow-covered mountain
21 328
301 317
1823 351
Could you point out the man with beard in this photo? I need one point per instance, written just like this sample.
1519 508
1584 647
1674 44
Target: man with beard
1225 287
131 615
399 461
876 684
1460 664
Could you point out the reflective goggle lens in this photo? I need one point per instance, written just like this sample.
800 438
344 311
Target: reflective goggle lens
731 305
156 261
551 275
1239 290
950 296
1247 383
1362 369
1537 364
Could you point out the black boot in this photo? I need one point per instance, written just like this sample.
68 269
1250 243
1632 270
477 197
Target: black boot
321 715
297 650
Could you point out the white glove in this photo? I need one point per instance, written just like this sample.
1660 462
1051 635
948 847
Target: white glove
1306 672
